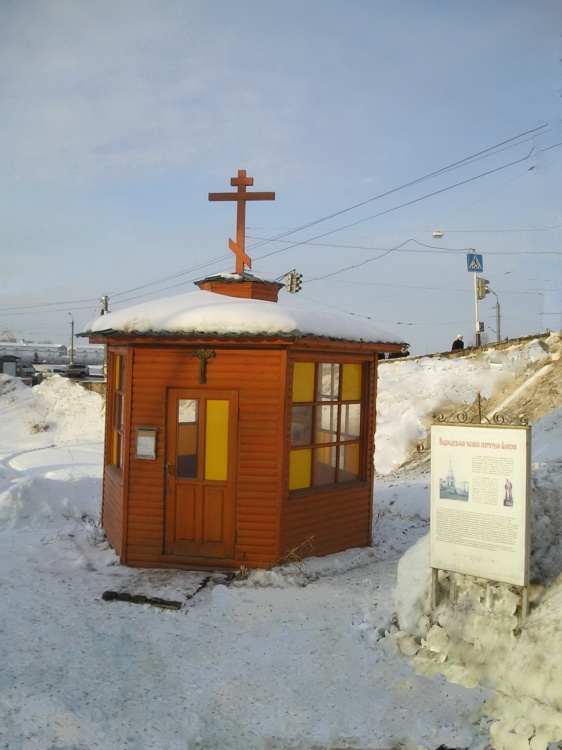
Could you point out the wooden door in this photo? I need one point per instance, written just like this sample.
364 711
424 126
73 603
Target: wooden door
200 483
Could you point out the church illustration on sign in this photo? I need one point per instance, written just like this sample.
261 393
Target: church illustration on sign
450 488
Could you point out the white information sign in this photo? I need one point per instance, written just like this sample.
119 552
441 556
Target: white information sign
480 493
146 442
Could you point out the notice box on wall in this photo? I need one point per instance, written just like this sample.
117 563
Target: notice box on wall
145 446
480 497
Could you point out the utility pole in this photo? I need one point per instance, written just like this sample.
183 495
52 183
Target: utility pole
71 338
498 334
477 337
104 299
474 264
482 290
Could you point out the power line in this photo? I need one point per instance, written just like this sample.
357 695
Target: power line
48 304
443 170
394 208
176 275
402 230
415 200
433 248
489 151
485 153
8 311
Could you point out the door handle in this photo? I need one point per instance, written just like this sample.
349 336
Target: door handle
170 470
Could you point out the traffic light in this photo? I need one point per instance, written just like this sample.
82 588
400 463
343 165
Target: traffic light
293 283
482 287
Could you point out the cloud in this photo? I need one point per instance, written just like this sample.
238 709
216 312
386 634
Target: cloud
98 90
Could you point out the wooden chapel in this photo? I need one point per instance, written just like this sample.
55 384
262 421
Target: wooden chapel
237 428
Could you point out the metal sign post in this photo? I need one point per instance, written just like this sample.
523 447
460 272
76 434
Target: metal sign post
475 264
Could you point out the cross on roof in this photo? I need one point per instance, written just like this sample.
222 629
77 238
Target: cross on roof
241 196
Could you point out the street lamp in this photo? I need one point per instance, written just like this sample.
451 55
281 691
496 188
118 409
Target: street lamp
71 338
498 335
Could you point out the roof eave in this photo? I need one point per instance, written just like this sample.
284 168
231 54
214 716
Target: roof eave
292 335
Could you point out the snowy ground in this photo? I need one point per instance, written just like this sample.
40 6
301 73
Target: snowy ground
339 652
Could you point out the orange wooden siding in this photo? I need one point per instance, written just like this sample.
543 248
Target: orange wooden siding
269 520
112 508
336 520
258 376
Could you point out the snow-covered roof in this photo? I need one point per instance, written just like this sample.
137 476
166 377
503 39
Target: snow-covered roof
239 277
205 313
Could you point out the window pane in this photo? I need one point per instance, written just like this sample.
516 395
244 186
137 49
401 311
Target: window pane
348 462
117 450
118 412
303 381
188 410
216 440
187 458
328 385
326 424
350 421
299 469
351 382
119 364
301 425
324 468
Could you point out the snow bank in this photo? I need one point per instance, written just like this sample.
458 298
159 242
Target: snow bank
52 438
340 634
410 392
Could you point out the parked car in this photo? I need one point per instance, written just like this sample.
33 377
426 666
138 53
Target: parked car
46 372
28 373
77 370
25 370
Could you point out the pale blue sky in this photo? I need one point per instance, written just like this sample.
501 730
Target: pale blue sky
118 117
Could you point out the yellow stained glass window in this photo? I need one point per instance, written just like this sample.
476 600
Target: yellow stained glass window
216 440
303 381
299 469
118 415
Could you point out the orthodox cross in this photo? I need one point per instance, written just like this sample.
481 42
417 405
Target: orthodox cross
241 196
203 355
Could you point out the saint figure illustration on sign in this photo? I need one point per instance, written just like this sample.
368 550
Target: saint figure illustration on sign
508 497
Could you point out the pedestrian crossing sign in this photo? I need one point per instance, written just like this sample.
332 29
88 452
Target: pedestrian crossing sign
474 263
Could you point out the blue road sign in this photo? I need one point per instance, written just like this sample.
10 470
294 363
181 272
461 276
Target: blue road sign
474 263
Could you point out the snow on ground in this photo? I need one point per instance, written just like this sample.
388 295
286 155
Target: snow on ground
336 652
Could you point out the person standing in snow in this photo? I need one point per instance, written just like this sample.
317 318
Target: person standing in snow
458 343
